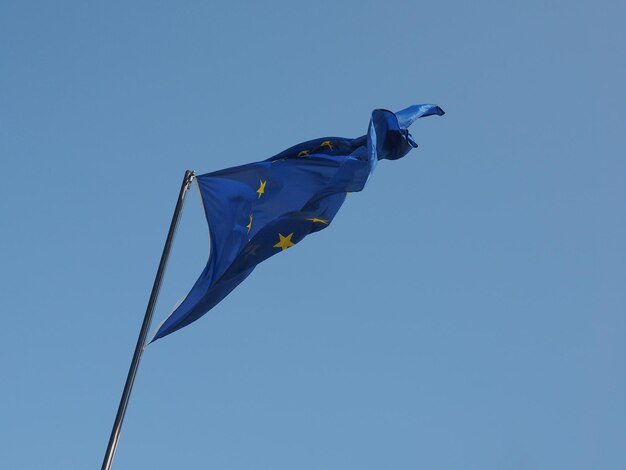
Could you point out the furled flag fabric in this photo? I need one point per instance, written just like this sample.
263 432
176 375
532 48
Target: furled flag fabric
257 210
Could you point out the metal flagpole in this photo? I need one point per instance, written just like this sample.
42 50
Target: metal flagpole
141 341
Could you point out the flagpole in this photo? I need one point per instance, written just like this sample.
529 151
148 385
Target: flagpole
141 341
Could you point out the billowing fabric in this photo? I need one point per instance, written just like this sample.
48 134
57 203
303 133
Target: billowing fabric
257 210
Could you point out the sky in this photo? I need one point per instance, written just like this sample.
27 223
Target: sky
465 311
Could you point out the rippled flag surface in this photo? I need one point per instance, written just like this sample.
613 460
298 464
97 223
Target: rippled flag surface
257 210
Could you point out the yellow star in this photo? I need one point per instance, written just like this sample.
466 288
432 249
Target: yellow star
321 221
249 226
250 250
303 153
261 189
284 242
327 143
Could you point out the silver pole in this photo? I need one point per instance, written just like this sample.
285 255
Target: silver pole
141 341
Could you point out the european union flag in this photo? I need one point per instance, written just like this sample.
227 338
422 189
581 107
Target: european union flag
257 210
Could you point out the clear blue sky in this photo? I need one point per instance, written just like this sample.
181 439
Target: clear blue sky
465 311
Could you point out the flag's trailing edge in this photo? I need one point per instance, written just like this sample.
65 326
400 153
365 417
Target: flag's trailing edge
257 210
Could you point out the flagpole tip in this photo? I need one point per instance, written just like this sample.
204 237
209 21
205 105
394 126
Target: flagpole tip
189 177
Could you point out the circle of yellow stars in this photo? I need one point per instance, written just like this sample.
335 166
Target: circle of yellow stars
284 241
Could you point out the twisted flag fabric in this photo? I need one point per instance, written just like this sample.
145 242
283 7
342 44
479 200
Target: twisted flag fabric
257 210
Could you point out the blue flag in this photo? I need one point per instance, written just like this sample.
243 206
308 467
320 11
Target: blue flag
257 210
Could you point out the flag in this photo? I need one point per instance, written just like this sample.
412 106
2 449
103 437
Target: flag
257 210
